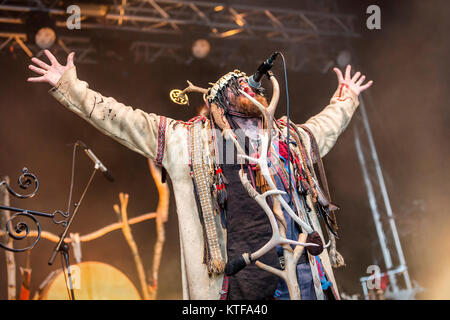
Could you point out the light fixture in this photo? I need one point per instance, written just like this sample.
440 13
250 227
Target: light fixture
45 38
201 48
229 33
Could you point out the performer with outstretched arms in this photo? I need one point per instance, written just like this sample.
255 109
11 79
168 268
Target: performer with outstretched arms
220 222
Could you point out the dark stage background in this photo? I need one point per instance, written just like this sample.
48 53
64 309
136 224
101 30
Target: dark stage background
408 61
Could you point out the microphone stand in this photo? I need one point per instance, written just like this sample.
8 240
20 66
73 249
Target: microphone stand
63 247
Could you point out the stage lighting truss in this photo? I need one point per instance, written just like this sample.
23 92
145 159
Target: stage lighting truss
310 37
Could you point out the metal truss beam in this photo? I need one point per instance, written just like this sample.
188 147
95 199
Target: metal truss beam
212 18
380 205
311 36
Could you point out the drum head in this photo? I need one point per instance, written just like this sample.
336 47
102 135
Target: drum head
92 281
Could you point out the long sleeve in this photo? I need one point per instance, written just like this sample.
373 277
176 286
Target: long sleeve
133 128
332 121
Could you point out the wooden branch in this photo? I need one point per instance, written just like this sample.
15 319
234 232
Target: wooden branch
193 88
94 235
162 213
161 217
10 260
126 230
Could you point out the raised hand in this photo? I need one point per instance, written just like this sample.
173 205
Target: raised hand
50 74
354 83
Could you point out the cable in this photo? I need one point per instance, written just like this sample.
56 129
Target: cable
72 177
71 297
287 126
65 278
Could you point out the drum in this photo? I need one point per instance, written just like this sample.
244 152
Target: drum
91 281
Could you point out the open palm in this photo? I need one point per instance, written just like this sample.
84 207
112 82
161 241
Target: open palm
354 83
50 73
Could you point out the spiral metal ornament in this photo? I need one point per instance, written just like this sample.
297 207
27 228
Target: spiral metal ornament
25 180
21 231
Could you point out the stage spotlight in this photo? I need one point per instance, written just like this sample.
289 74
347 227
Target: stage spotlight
45 38
201 48
344 58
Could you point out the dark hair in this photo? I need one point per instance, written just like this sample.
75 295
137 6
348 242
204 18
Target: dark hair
221 98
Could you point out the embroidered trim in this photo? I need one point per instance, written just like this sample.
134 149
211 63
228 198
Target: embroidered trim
215 261
161 140
224 291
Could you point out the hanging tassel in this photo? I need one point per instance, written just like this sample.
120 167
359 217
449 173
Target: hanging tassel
336 259
221 191
322 212
260 181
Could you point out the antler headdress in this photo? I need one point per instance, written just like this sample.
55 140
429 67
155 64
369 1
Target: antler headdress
216 96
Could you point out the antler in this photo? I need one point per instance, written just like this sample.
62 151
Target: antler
237 263
275 96
262 162
268 118
192 88
268 112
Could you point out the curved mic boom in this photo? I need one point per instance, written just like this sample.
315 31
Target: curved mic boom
255 80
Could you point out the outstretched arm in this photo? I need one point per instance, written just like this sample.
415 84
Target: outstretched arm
135 129
331 122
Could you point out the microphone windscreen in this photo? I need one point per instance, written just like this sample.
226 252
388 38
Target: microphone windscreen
108 176
252 83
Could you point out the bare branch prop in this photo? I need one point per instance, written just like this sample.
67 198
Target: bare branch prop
161 216
162 213
10 259
126 230
96 234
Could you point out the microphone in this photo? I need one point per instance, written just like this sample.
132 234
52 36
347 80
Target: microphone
96 160
255 80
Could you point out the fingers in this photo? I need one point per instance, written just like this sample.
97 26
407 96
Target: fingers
356 76
37 70
366 86
339 75
51 57
361 80
70 59
348 70
37 79
40 63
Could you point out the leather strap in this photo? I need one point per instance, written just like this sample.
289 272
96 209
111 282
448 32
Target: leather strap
317 159
161 140
161 146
